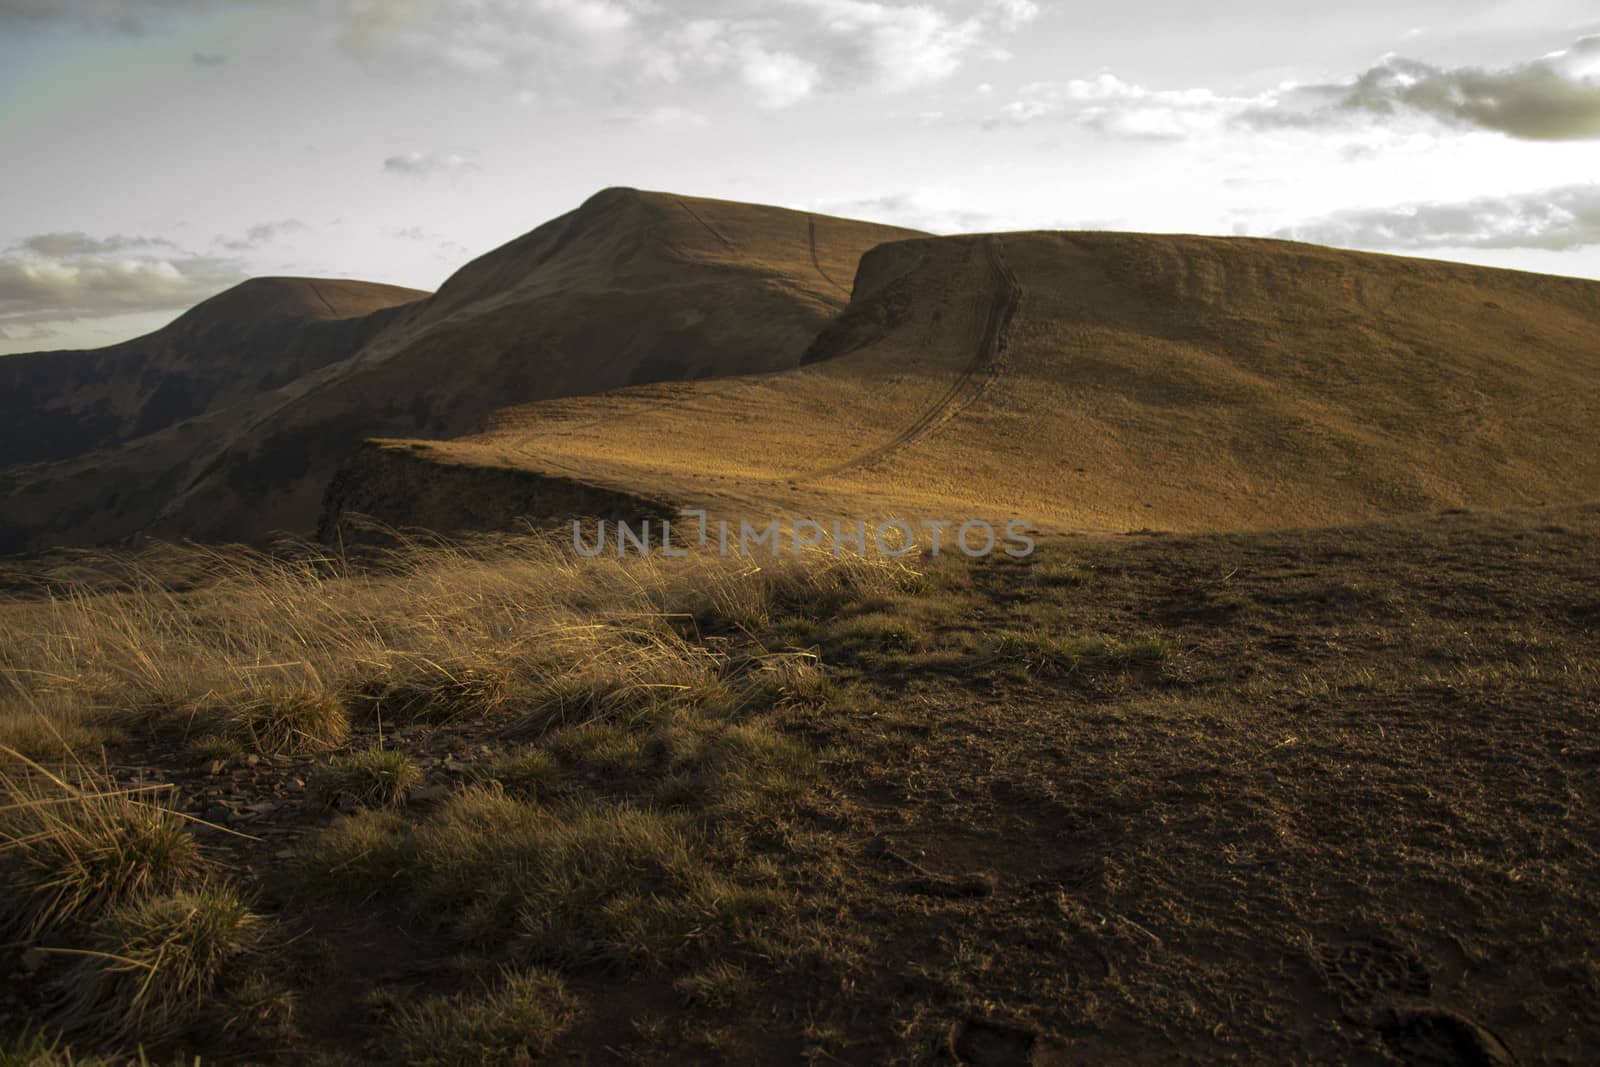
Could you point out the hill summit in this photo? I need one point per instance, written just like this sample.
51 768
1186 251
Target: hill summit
1089 381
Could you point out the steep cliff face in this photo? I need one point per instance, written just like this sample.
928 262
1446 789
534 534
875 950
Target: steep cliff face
400 486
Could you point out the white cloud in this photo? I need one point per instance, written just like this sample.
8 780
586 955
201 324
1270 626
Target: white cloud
488 35
1110 105
889 46
781 51
78 243
1555 97
428 164
1559 219
666 117
1013 13
262 234
778 78
49 277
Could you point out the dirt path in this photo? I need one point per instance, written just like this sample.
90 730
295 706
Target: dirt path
709 228
987 364
811 239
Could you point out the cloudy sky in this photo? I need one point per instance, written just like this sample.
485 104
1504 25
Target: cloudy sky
157 151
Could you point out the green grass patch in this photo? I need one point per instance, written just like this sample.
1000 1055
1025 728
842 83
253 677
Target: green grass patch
375 778
156 962
509 1024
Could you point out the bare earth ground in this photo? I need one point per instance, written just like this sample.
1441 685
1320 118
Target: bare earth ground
1297 797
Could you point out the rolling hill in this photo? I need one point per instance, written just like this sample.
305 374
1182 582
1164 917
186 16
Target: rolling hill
631 287
1087 381
251 339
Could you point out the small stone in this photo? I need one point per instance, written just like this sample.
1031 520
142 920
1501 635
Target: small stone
252 759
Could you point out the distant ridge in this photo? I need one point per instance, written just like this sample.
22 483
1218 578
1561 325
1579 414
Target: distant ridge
631 287
252 338
1086 381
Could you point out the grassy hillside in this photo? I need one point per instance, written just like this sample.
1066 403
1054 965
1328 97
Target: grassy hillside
1112 382
630 287
255 337
1304 796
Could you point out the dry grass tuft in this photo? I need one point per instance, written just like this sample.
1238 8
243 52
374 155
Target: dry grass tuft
720 984
529 774
414 688
157 960
375 778
75 843
292 722
512 1023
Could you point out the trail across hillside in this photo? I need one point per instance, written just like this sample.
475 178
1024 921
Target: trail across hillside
811 239
709 228
976 377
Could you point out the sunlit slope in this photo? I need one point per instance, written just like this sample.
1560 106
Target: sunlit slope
1112 382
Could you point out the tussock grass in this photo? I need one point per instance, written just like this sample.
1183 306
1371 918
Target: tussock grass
719 984
51 731
572 885
779 678
415 688
749 769
622 672
374 778
873 632
292 722
156 961
529 774
367 854
75 843
1059 574
209 747
509 1024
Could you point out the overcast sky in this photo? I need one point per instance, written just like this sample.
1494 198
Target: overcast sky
156 151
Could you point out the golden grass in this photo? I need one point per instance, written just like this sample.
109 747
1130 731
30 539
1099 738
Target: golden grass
265 647
645 698
77 842
291 722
